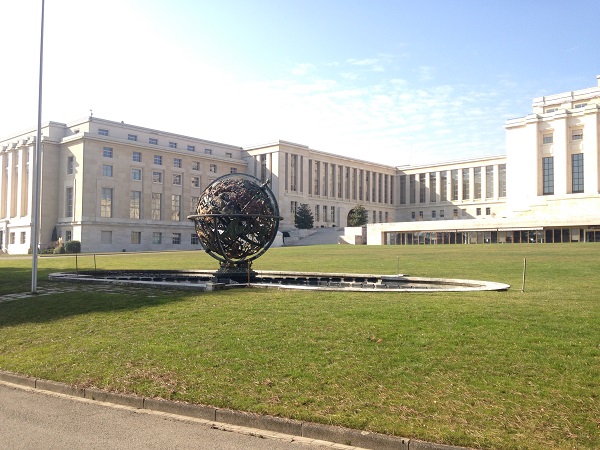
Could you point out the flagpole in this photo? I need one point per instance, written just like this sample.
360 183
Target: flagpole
37 163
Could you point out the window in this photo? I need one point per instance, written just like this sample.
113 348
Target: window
443 186
466 184
69 202
577 135
177 162
23 237
489 181
68 235
156 237
135 205
577 172
478 211
441 213
194 204
412 189
195 165
106 202
153 141
488 211
107 152
477 182
547 139
580 105
156 206
156 176
208 151
172 144
455 213
551 110
433 214
402 189
413 215
263 168
233 170
325 216
548 175
70 161
420 215
136 237
107 171
332 213
103 132
176 207
191 148
137 157
158 160
194 240
229 155
196 182
177 179
213 168
454 184
422 188
317 216
176 238
502 180
136 174
106 237
132 137
375 216
11 238
432 187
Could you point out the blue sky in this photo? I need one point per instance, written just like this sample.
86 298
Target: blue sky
397 82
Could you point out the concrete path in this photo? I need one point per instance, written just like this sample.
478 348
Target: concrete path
33 419
322 236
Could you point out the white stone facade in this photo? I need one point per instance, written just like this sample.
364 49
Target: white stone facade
120 187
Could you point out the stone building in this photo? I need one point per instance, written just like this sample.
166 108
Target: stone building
119 187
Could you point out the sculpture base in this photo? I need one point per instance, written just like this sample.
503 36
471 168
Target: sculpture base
239 273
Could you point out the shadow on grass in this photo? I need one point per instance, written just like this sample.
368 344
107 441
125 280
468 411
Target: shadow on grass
49 308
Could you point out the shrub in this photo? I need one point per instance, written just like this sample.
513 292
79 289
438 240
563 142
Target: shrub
73 247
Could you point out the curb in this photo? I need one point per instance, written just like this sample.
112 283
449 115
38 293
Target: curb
329 433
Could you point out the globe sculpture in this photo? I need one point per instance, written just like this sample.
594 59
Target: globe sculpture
237 220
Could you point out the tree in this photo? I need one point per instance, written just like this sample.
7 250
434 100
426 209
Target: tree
358 216
303 218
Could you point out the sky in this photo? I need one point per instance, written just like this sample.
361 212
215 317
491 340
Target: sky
393 82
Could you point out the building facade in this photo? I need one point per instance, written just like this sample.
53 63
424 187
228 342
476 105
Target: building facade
119 187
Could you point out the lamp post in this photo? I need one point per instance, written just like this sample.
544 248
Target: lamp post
37 162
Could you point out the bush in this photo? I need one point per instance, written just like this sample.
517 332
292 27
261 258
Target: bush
59 249
73 247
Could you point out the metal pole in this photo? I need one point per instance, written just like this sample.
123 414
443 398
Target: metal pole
524 274
37 162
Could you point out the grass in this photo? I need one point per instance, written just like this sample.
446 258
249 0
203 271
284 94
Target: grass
489 370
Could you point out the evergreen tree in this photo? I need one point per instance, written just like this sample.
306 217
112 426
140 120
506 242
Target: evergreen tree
304 217
358 216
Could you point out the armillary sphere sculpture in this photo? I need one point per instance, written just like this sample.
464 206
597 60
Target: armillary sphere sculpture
237 220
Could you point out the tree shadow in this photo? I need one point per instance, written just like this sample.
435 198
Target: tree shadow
73 299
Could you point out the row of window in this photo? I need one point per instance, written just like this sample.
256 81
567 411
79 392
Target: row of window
154 141
157 238
551 109
576 174
425 186
135 205
548 235
576 135
456 213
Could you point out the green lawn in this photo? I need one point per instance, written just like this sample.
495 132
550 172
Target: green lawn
484 369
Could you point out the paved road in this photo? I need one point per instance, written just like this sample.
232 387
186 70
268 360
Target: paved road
33 419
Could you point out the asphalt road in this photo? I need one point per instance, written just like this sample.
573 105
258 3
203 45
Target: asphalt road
33 419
